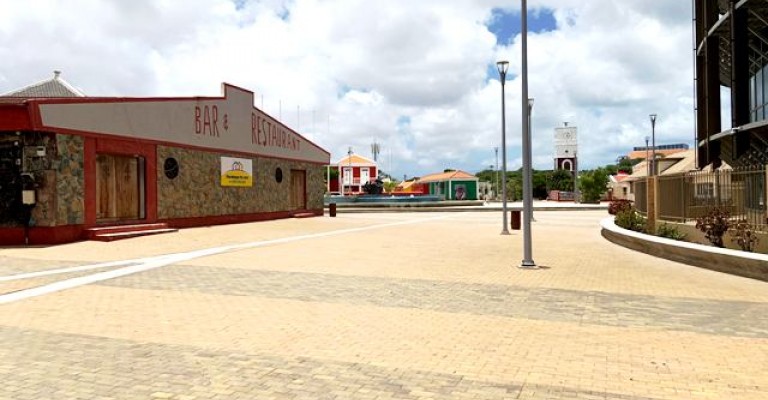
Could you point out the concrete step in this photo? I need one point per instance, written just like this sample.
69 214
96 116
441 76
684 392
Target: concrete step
115 232
108 237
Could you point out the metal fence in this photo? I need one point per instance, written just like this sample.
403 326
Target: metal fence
685 197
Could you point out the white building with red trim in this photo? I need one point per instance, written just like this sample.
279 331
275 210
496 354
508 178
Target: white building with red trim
356 171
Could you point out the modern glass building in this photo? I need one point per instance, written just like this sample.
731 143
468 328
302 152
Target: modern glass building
732 51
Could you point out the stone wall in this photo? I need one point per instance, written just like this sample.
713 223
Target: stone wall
68 164
59 176
197 190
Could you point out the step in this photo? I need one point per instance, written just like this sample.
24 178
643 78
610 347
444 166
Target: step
110 236
303 215
125 228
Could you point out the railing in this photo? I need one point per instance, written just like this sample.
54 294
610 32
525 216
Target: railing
641 199
685 197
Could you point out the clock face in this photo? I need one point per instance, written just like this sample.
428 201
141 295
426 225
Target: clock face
568 135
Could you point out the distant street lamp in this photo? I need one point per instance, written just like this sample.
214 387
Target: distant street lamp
527 181
351 175
496 192
503 66
647 160
653 143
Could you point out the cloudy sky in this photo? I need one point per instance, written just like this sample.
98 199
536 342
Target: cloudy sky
416 76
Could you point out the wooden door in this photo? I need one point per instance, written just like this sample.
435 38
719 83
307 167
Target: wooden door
117 187
298 190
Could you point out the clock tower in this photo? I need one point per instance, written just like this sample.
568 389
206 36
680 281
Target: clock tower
566 148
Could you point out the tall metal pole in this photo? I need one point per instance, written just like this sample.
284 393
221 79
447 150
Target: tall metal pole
530 156
647 160
653 138
502 66
527 193
351 174
496 192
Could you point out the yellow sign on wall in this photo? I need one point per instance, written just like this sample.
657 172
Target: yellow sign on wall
236 172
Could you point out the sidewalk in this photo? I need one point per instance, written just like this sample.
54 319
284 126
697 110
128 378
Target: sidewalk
382 306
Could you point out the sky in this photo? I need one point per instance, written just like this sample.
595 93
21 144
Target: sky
417 77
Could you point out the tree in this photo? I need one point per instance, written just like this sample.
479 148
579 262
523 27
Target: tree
593 184
561 180
390 186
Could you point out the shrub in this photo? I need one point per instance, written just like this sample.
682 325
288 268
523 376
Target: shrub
592 185
670 232
744 235
714 225
630 219
619 205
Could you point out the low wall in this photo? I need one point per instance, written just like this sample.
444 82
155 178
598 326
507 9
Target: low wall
735 262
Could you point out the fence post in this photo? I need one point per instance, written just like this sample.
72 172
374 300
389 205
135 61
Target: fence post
765 199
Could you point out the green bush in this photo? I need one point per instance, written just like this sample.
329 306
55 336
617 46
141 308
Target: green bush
593 184
631 219
670 232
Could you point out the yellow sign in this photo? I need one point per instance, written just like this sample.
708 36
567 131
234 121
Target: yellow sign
236 172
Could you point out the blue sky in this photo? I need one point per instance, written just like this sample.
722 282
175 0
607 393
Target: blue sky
418 77
505 24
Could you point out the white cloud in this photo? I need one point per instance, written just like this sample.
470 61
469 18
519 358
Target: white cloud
410 74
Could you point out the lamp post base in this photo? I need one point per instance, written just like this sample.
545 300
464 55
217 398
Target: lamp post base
505 232
528 264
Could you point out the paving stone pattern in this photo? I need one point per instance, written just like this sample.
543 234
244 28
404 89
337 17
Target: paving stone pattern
128 370
427 309
716 317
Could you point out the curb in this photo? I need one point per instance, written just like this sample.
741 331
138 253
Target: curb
734 262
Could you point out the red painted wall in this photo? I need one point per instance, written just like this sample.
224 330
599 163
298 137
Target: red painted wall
14 118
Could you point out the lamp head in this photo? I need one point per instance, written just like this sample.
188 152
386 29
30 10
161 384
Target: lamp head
502 66
653 118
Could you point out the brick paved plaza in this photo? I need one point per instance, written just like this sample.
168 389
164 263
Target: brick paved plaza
377 306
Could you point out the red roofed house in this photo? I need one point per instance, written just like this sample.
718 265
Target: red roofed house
453 185
356 171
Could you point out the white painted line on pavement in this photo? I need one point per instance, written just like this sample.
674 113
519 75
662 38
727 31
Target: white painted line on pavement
65 270
145 264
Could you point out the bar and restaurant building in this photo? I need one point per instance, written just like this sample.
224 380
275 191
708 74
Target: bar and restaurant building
71 164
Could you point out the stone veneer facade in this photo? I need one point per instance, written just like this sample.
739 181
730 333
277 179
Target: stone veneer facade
60 178
197 190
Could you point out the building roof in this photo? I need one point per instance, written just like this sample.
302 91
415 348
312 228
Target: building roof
446 176
355 160
635 154
620 176
54 87
678 163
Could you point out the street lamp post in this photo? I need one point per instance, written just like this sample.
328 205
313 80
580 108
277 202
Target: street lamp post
530 156
647 160
527 184
351 175
503 66
496 192
653 143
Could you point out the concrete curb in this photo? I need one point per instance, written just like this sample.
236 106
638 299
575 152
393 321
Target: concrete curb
734 262
427 207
